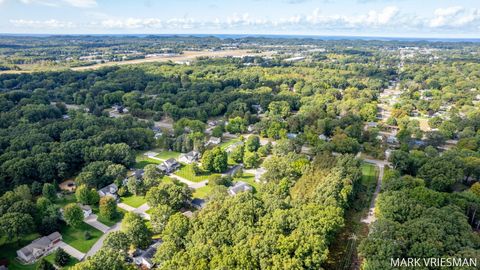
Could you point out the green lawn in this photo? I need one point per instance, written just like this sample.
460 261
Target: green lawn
76 236
168 154
142 161
186 171
133 201
202 192
8 250
369 174
66 199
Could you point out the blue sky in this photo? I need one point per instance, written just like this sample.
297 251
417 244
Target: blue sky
398 18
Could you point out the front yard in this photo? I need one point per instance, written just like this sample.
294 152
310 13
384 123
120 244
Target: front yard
186 171
133 201
76 236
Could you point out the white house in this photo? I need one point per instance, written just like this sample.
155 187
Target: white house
239 187
39 247
189 157
214 141
169 165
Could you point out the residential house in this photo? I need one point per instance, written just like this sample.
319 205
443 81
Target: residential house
190 157
370 125
239 187
168 166
323 137
110 190
39 247
214 141
138 174
392 139
144 258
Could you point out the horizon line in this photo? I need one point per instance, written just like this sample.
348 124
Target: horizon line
248 35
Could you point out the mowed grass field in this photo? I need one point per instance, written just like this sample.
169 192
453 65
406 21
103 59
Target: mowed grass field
186 171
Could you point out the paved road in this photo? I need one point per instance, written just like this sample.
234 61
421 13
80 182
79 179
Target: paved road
96 247
126 207
191 184
92 220
142 211
71 250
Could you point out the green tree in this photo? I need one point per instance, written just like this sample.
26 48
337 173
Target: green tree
45 265
108 207
14 225
279 109
215 160
49 192
23 191
136 230
82 194
175 195
73 214
237 154
118 241
253 143
236 125
105 258
152 176
159 217
251 160
61 258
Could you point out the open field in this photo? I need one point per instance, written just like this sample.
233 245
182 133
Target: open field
186 56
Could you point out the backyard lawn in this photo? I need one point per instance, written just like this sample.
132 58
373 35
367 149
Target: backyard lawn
133 201
168 154
202 192
142 161
76 236
66 199
186 171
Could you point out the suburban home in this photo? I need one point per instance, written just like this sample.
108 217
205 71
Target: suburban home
138 174
119 109
39 247
189 157
169 165
110 190
143 258
214 141
292 135
239 187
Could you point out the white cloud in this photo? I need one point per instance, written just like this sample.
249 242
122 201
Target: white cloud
454 17
57 3
47 24
384 20
82 3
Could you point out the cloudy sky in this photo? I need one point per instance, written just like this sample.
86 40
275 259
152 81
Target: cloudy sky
395 18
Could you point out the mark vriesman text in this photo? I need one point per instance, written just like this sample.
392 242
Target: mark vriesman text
433 262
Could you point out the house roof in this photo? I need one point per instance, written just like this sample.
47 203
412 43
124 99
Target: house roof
112 188
239 187
40 243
